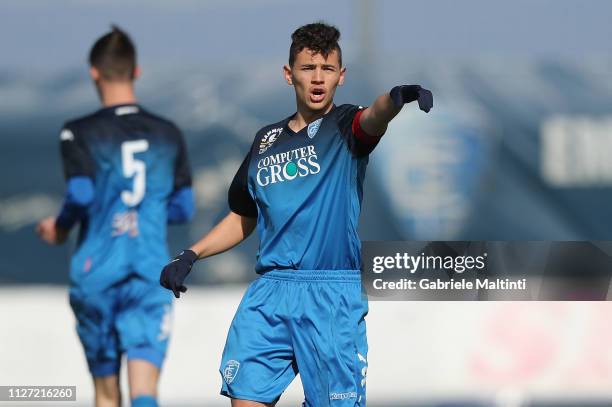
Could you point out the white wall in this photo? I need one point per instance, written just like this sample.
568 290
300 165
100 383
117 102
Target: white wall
418 350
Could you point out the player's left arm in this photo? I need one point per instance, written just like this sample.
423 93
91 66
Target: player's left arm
181 204
374 119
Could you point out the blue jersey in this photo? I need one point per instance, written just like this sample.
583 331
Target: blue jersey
136 161
305 189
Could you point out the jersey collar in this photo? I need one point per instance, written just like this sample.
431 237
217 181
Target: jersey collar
121 109
293 133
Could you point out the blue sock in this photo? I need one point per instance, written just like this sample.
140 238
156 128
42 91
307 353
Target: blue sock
144 401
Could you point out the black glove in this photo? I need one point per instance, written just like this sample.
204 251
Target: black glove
173 275
409 93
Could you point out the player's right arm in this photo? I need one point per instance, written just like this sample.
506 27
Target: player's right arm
375 118
79 170
233 229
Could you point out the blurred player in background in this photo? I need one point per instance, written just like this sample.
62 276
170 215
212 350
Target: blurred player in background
301 186
127 176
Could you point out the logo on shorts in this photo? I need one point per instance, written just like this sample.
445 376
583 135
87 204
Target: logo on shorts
165 327
314 127
364 370
343 396
230 371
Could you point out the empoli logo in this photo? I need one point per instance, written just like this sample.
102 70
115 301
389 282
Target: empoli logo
230 371
314 127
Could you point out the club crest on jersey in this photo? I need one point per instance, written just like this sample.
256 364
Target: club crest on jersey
268 139
230 371
314 127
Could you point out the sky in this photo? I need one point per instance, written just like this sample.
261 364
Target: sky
56 35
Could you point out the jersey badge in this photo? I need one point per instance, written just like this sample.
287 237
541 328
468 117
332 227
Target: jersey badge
313 128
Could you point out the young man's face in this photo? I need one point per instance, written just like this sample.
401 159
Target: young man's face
315 79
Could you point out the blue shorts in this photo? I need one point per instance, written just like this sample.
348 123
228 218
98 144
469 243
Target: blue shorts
306 321
132 317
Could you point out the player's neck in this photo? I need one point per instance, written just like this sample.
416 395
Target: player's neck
304 116
116 93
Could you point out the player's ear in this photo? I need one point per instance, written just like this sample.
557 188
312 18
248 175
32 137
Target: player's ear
288 75
94 73
342 73
137 72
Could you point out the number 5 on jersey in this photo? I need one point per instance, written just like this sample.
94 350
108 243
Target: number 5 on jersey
134 168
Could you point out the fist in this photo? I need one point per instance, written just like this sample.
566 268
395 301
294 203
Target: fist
50 233
403 94
175 272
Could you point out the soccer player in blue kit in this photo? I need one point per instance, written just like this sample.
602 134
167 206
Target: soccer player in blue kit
301 186
127 176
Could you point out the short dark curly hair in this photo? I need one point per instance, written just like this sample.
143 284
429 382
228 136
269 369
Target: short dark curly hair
320 37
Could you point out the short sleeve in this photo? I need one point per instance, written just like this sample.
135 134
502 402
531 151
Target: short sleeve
239 197
358 142
76 158
182 169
